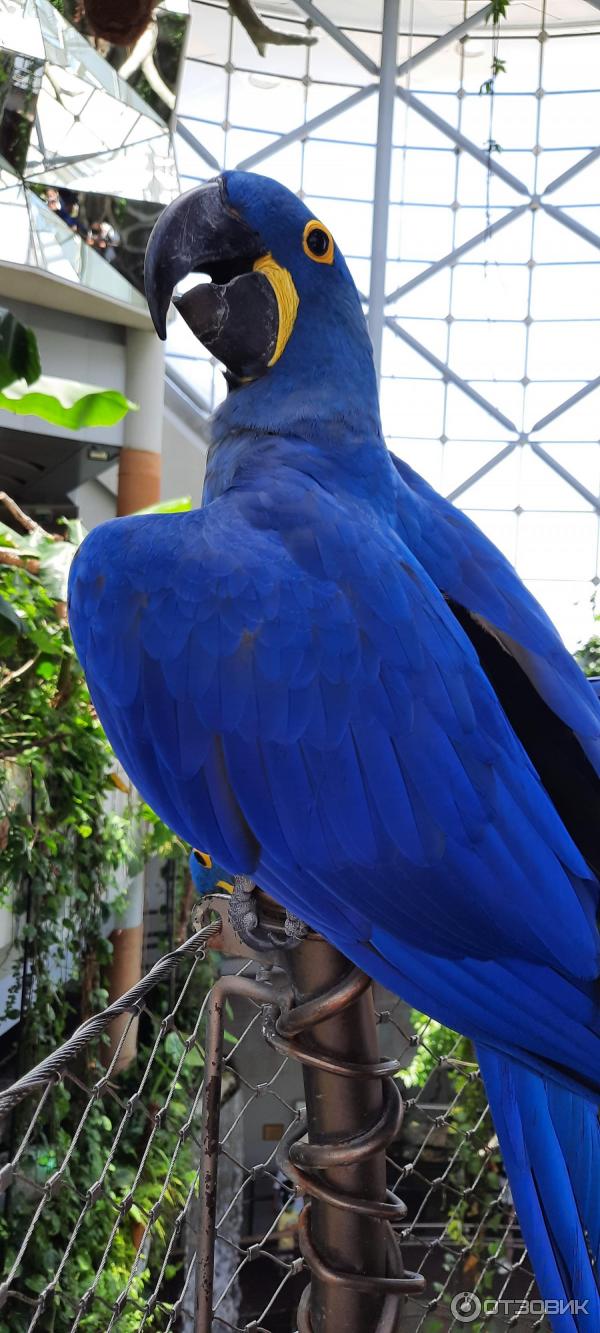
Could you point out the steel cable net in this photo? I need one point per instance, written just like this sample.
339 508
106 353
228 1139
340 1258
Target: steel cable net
131 1171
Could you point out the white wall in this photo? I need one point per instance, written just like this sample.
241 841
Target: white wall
75 348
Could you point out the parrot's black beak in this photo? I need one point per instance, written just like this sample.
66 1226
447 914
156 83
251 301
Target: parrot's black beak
236 315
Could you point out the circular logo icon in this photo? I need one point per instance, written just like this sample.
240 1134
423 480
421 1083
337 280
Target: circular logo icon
465 1307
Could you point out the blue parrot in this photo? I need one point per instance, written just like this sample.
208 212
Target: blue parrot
206 876
329 678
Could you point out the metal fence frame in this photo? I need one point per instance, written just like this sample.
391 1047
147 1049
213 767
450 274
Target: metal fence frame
340 1169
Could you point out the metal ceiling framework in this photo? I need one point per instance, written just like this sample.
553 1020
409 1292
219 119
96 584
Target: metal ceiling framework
386 83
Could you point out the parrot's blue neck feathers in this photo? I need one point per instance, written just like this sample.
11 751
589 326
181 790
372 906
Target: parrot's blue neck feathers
337 462
315 412
325 379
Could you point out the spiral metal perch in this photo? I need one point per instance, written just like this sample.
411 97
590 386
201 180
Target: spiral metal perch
318 1009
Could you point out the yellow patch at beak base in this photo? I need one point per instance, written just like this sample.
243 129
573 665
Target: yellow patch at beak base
287 299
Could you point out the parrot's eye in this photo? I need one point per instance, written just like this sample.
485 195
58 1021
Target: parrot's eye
317 242
203 859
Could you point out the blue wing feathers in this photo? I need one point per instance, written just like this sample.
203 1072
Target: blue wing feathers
550 1141
467 567
303 704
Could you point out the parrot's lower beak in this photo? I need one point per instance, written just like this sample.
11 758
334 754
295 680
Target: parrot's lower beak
236 315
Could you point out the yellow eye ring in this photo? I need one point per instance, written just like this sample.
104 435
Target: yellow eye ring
204 859
317 242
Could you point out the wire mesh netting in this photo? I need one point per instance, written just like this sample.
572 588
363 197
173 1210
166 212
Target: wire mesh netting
102 1172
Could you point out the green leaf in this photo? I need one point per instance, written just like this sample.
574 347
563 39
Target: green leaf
19 356
75 529
55 562
85 830
51 644
179 506
45 669
65 402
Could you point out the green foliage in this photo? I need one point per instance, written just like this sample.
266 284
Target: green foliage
498 67
181 505
66 403
24 391
19 356
475 1220
120 1180
499 11
62 842
589 656
63 845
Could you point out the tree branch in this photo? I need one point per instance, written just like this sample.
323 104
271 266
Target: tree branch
260 33
24 519
8 557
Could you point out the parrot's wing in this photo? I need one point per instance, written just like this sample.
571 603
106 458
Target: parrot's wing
305 699
551 705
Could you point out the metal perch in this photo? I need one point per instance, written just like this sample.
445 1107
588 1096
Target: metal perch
319 1010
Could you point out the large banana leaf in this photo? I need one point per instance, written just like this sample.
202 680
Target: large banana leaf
65 402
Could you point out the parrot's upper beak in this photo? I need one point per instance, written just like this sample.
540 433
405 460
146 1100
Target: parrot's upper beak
237 314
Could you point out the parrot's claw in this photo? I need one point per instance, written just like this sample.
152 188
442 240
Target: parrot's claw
244 918
294 928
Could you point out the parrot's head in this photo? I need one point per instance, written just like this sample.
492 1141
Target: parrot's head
206 876
281 310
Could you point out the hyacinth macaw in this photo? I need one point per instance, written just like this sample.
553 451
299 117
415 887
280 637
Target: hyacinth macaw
206 876
330 679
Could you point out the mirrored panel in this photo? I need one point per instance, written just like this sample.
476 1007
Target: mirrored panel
16 241
20 28
113 228
144 171
60 246
150 66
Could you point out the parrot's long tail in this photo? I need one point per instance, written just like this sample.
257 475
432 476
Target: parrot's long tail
550 1142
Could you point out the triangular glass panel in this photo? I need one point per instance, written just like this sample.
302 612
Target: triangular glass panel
68 50
540 487
143 171
461 458
578 422
77 119
16 244
581 188
499 488
21 28
581 460
468 420
357 124
556 242
151 66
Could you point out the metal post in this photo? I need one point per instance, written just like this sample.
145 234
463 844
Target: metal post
383 171
227 987
353 1111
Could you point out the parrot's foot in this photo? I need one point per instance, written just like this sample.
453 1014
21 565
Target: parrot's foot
295 929
244 917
